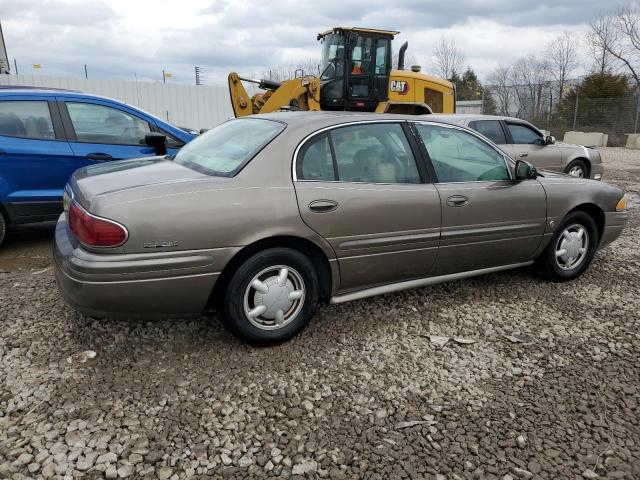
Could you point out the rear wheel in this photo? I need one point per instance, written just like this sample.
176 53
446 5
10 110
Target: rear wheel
271 296
571 248
578 169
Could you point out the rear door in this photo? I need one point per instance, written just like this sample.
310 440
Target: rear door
35 158
526 143
487 219
361 188
100 132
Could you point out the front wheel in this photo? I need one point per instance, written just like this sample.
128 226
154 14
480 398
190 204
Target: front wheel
571 249
578 169
271 296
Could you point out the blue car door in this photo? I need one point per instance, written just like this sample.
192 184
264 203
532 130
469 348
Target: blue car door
99 131
35 159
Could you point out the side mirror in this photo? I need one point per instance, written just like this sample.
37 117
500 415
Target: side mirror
525 171
157 141
549 140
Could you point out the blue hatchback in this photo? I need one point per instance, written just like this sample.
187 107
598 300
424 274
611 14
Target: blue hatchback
46 134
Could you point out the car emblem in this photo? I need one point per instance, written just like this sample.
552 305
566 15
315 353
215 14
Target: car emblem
160 244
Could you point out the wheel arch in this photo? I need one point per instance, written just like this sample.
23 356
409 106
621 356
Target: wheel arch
303 245
595 212
584 160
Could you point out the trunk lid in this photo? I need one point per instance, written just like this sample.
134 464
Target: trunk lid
94 181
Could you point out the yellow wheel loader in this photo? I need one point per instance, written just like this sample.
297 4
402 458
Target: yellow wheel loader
356 75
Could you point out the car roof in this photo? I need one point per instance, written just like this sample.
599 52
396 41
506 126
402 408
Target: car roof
458 117
50 91
314 120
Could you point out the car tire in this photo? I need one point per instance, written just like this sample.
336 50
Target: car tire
571 248
271 297
578 169
3 227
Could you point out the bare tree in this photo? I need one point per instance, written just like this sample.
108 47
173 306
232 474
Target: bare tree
562 59
501 88
279 73
531 76
603 38
628 47
447 59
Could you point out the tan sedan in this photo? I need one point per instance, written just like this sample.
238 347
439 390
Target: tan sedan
522 141
266 216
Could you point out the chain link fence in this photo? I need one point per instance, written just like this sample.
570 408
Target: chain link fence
615 116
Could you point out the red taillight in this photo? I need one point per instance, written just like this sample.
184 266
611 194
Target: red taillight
95 231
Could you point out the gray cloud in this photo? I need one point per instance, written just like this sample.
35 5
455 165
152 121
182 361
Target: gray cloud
224 35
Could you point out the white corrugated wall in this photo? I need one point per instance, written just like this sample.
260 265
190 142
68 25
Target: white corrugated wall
194 106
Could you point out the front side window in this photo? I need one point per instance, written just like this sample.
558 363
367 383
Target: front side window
490 129
367 153
524 135
28 119
458 156
100 124
225 149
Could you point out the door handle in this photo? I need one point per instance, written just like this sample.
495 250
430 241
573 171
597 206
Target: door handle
457 201
524 154
323 206
99 157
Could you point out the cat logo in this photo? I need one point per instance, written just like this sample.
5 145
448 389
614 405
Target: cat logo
400 86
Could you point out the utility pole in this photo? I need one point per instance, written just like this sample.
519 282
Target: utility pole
86 74
164 78
635 124
15 64
198 71
575 111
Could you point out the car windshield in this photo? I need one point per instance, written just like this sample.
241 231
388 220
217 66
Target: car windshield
225 149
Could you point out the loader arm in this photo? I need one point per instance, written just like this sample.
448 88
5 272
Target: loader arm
299 93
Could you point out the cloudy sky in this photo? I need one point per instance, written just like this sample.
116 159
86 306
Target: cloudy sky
128 38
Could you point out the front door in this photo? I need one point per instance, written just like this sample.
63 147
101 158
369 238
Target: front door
360 187
528 144
487 219
103 133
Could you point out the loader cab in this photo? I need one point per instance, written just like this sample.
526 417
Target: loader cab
356 64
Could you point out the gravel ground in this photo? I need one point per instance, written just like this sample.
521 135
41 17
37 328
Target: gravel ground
549 388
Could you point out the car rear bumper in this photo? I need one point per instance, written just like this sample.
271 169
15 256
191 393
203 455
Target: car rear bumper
613 226
148 285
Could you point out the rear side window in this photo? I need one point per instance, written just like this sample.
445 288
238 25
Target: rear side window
27 119
225 149
367 153
490 129
315 160
100 124
524 135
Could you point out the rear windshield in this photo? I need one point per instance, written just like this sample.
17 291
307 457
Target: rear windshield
225 149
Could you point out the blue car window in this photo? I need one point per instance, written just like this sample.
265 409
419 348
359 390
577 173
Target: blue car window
28 119
100 124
